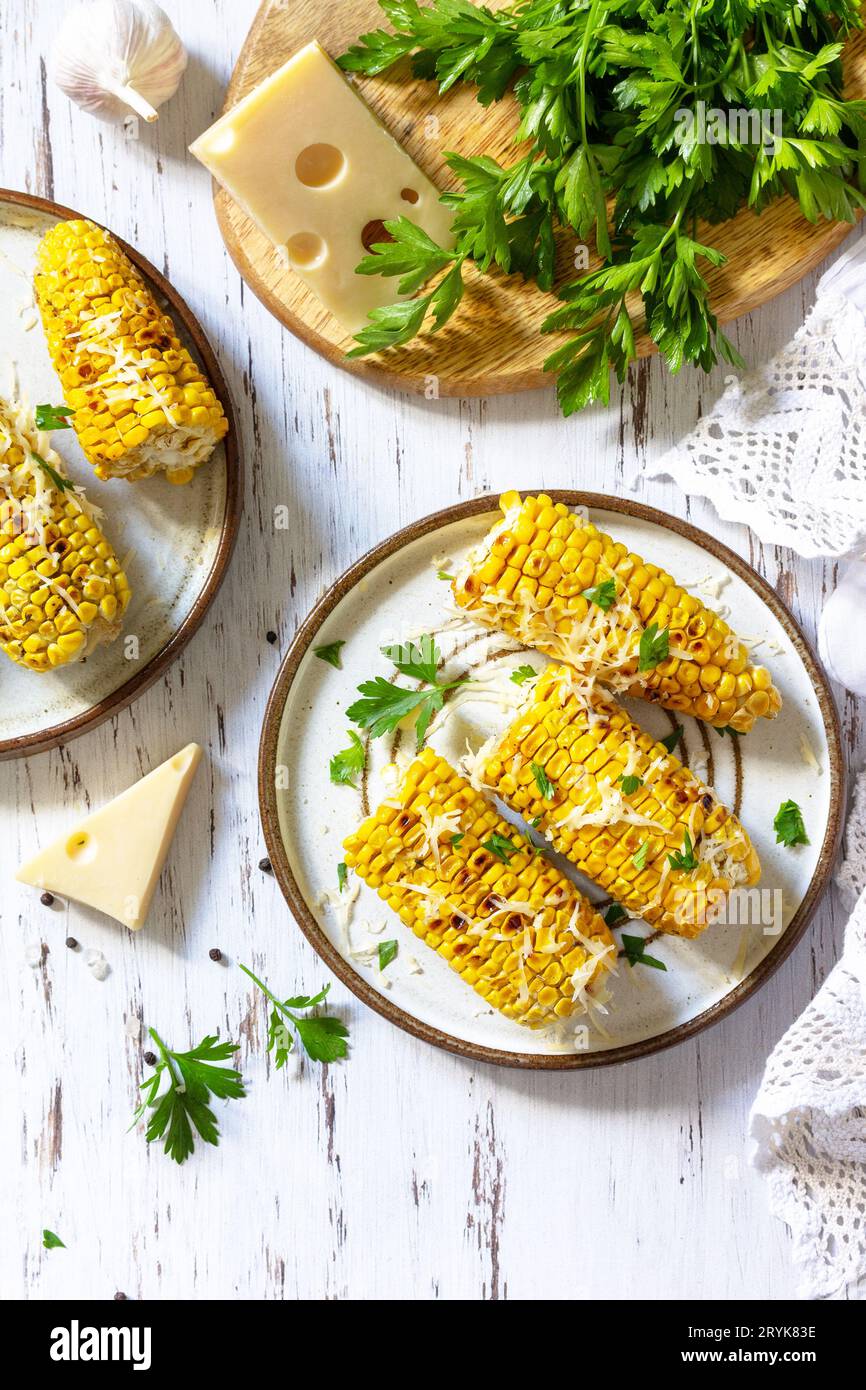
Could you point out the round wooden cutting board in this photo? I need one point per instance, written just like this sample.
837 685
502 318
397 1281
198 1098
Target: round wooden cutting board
492 344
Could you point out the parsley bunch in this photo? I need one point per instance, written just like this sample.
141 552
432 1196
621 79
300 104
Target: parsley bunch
384 705
612 148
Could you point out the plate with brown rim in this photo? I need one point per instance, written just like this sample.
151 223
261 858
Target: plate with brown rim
394 594
176 542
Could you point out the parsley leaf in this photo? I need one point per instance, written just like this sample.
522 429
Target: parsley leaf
49 1239
639 857
684 858
543 782
384 704
322 1036
732 733
789 825
387 952
456 839
630 785
499 846
603 595
346 765
330 652
671 740
53 417
523 674
193 1077
653 647
615 914
62 484
443 574
634 950
342 876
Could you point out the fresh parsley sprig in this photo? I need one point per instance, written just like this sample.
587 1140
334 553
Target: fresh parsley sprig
383 704
609 98
330 652
684 858
322 1036
192 1078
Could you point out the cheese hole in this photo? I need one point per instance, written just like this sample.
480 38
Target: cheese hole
80 847
374 232
306 250
408 195
319 165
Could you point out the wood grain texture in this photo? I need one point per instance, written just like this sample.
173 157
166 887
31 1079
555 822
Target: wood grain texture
493 343
405 1173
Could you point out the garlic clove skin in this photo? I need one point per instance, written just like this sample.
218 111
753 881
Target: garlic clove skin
840 644
115 56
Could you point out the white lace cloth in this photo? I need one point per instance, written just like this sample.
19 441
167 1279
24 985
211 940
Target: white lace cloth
784 450
809 1118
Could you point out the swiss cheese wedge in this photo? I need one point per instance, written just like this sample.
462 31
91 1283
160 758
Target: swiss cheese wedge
113 859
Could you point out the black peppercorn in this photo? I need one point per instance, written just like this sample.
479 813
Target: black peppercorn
215 953
150 1058
72 943
265 866
120 1297
271 637
47 900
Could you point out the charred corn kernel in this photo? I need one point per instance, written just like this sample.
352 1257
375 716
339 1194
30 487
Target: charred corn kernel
621 841
510 924
141 405
55 605
530 575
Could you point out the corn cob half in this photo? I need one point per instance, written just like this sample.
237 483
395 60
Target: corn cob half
620 806
141 404
475 891
532 577
62 591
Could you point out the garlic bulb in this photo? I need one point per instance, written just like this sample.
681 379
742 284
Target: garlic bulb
113 56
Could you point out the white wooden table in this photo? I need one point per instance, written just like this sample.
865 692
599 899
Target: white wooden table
405 1173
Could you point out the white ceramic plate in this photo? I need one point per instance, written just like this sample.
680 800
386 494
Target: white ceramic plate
394 594
176 541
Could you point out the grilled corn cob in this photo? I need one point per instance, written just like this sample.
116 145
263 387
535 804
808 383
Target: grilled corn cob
141 404
62 591
565 763
466 882
531 577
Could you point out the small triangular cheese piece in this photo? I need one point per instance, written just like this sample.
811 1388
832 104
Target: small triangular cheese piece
113 859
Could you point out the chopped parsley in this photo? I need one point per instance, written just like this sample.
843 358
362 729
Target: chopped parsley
53 417
49 1239
387 952
634 950
500 846
523 674
640 855
346 765
330 652
543 782
684 858
654 646
342 876
62 484
671 740
630 785
614 915
603 595
789 825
